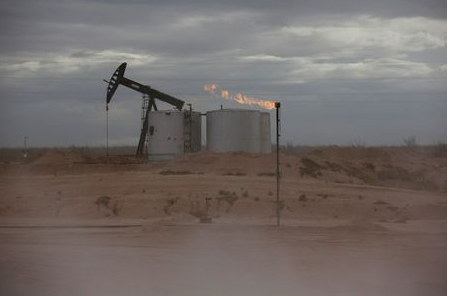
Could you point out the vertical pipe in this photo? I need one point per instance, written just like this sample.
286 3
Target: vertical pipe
107 132
25 148
278 205
190 129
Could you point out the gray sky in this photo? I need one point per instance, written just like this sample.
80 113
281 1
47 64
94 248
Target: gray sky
344 70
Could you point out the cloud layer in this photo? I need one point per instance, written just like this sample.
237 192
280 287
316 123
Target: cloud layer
343 70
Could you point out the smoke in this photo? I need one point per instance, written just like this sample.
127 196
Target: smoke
214 89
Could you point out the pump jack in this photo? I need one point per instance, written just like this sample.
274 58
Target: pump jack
118 78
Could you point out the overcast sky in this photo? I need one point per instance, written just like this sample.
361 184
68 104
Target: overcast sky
344 70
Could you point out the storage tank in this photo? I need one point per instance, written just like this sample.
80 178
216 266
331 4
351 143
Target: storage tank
171 133
265 132
233 130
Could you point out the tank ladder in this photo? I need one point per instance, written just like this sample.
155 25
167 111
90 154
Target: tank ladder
145 103
188 130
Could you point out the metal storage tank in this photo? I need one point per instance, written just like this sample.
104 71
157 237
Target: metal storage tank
165 135
171 133
265 132
231 130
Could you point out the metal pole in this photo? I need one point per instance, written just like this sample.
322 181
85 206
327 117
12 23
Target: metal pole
278 205
190 127
25 148
107 132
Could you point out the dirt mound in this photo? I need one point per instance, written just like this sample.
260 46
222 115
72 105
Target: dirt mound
223 163
57 157
397 167
114 159
230 164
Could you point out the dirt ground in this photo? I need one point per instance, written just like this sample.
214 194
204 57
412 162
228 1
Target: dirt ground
355 221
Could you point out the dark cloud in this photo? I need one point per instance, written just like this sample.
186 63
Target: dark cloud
346 69
386 8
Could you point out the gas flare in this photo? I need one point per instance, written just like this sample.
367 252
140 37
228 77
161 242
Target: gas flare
225 94
210 88
240 98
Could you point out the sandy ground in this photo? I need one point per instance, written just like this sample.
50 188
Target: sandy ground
69 228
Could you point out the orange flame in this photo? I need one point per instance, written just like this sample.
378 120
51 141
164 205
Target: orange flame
225 94
239 98
210 88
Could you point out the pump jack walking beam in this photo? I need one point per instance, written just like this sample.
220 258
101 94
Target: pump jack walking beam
118 78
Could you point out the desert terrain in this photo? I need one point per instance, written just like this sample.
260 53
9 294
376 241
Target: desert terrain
354 221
